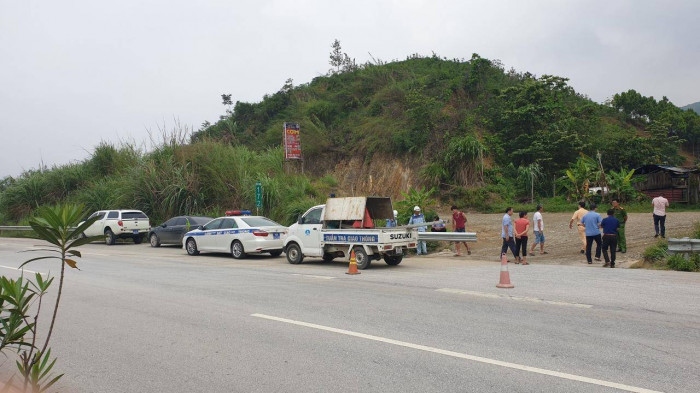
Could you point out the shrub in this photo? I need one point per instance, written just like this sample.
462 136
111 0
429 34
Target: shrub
656 253
680 263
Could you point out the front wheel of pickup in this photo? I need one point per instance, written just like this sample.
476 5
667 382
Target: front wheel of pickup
294 255
362 258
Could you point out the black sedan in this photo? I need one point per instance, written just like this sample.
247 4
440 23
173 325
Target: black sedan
171 231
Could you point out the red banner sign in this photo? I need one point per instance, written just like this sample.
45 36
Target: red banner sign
292 141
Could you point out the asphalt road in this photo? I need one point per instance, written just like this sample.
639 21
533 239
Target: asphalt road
138 319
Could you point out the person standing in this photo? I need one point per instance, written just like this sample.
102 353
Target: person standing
621 216
538 228
610 225
660 204
507 233
390 223
522 227
591 222
459 224
578 214
419 218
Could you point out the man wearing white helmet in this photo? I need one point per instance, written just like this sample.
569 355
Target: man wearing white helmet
419 218
392 222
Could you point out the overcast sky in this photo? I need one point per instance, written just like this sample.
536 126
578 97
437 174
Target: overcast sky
74 73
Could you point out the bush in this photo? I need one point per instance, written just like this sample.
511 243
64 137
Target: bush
656 253
680 263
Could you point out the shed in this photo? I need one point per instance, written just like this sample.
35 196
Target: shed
677 184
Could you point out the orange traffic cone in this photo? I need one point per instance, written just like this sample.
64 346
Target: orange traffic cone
352 269
505 276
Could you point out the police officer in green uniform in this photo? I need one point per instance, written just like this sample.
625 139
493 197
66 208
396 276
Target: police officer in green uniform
621 216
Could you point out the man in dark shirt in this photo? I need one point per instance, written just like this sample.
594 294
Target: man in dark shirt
610 226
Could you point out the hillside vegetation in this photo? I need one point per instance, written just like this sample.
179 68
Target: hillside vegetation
468 130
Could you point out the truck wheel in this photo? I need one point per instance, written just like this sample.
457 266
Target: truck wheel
110 239
237 250
155 242
191 247
328 257
138 239
362 258
294 255
393 260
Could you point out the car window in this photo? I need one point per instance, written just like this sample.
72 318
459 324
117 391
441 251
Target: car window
98 214
313 217
214 224
179 221
259 222
194 221
170 222
113 214
132 215
229 223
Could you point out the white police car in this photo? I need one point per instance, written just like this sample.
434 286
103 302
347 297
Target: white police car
238 234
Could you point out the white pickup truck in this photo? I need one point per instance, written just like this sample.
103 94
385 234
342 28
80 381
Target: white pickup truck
122 224
341 225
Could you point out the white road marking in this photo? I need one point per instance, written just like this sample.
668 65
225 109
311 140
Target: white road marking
313 276
517 298
14 268
480 359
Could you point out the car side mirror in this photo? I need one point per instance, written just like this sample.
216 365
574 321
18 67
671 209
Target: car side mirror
300 220
163 225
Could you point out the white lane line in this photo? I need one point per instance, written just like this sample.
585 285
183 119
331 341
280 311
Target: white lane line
313 276
517 298
14 268
480 359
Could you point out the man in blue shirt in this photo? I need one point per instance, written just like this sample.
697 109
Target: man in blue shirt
610 226
507 233
591 222
419 218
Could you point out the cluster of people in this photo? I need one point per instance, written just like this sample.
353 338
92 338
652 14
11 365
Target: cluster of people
515 234
459 224
608 233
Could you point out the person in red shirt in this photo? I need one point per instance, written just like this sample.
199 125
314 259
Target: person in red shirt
459 224
522 227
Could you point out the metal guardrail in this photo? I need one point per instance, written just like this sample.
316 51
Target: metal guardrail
684 245
15 228
447 236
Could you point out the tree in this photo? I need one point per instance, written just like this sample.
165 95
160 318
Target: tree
336 56
19 319
528 175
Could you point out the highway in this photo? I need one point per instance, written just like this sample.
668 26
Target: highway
142 319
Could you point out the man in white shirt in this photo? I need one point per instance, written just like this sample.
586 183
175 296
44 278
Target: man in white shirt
538 226
660 204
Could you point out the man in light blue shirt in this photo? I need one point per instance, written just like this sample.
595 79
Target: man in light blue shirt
419 218
507 233
591 222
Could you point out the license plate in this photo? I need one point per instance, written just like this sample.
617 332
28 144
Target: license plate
275 235
399 251
136 231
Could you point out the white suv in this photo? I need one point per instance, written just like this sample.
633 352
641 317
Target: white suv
119 224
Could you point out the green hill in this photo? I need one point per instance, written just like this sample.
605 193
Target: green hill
422 130
694 106
456 124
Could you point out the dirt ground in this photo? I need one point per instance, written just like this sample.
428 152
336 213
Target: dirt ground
561 243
